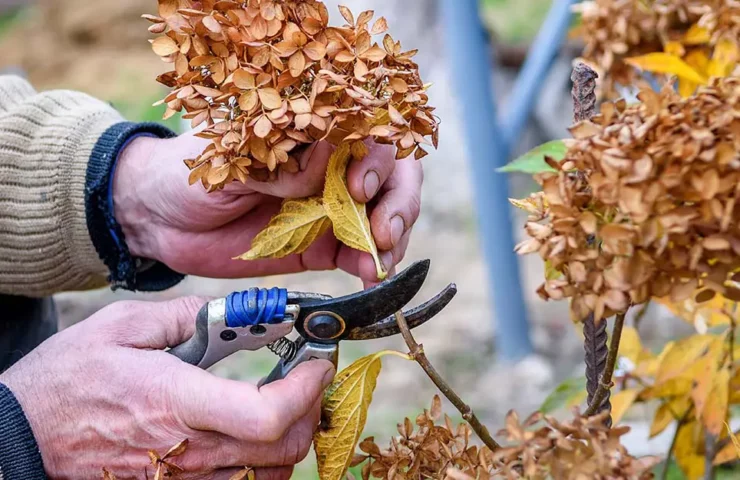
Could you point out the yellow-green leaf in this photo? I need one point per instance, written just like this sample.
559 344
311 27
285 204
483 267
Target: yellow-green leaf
534 161
621 402
660 62
551 273
349 217
344 408
298 224
558 398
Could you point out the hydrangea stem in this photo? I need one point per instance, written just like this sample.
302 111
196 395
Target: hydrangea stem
417 353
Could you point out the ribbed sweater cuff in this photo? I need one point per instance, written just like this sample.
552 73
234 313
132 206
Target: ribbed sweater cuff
107 235
20 458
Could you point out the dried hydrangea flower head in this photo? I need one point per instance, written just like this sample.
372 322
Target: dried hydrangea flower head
644 204
540 447
267 76
699 32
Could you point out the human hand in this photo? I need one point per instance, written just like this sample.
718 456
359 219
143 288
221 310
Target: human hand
197 233
103 393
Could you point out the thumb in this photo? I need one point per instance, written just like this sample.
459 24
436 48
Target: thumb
307 181
153 325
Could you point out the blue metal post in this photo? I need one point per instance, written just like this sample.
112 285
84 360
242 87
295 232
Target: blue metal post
539 59
471 75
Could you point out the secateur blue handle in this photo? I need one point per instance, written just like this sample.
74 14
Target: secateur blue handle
256 306
223 326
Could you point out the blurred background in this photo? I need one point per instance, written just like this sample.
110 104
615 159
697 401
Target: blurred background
101 48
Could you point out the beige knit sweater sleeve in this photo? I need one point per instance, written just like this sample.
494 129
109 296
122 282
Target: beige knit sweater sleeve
45 143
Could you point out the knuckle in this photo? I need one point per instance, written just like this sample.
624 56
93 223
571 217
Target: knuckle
270 426
414 207
297 448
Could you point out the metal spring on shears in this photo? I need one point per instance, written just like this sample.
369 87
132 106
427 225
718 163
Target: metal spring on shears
283 348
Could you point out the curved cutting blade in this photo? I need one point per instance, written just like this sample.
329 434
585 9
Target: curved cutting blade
414 317
368 307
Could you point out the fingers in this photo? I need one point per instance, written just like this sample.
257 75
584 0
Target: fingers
304 183
151 325
398 207
366 177
241 411
274 473
294 397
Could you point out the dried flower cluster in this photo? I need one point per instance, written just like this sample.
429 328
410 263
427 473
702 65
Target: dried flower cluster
643 204
267 76
579 449
582 448
614 30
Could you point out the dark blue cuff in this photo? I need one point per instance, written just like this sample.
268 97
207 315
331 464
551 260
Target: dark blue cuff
106 233
20 458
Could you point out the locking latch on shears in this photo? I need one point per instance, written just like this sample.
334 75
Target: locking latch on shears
257 318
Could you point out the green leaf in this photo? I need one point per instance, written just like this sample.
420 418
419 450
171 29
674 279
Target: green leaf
534 161
563 394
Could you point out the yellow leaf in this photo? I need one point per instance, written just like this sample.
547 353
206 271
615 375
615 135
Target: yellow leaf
669 411
660 62
698 60
681 356
550 272
696 35
704 373
674 48
621 402
344 407
649 366
629 345
724 58
298 224
349 217
731 452
715 410
690 437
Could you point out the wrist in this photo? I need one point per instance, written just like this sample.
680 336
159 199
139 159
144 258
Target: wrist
129 197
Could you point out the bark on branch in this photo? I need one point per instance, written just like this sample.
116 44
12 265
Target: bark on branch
417 353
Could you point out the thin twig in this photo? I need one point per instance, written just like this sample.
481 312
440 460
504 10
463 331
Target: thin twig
666 465
725 441
710 452
605 383
417 353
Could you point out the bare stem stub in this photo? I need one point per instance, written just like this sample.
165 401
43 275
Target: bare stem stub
584 92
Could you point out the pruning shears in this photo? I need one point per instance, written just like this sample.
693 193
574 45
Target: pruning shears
259 317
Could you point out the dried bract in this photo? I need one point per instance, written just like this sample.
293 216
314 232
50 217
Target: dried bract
704 34
579 449
266 77
644 203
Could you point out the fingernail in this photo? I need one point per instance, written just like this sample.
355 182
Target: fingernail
386 259
372 182
328 377
397 228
